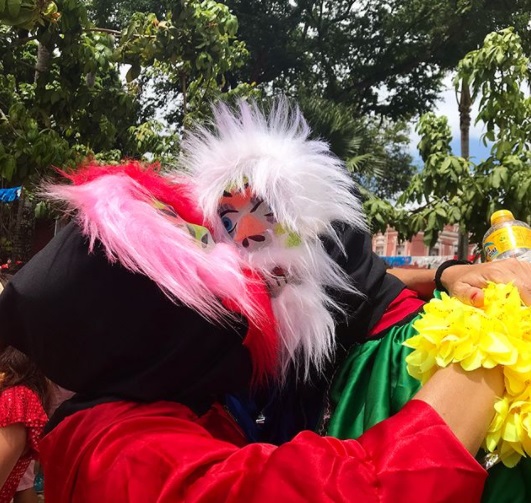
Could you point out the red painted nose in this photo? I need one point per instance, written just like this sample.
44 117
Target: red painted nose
249 228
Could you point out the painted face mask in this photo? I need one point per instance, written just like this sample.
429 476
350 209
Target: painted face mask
251 224
198 232
248 220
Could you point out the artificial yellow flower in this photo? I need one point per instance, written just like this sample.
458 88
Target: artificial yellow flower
497 334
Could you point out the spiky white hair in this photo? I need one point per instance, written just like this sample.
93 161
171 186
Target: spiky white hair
307 188
305 185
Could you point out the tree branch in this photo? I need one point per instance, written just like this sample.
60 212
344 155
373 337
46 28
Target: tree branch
116 33
104 30
21 41
5 118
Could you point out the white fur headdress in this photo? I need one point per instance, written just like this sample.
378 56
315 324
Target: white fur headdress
307 188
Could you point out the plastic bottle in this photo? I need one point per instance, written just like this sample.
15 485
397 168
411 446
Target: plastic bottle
507 238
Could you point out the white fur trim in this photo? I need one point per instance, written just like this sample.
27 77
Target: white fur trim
307 188
305 185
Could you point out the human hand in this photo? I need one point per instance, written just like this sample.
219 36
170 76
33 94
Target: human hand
466 282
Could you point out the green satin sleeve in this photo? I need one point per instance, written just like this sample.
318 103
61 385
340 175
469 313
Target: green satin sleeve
509 485
373 384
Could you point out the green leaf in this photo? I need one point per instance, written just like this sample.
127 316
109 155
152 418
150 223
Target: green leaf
432 220
428 237
8 166
13 8
441 212
133 72
41 210
523 190
445 166
496 179
51 8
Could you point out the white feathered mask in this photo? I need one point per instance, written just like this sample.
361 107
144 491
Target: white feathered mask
264 185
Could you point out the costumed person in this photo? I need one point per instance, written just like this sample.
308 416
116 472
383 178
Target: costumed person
145 307
24 393
373 382
26 492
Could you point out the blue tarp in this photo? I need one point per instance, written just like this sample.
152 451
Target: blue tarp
397 261
10 195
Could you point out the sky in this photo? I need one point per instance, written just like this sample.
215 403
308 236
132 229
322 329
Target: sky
447 105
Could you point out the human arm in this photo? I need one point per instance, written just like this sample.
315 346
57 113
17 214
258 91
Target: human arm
465 400
26 492
466 281
12 445
421 281
22 419
412 457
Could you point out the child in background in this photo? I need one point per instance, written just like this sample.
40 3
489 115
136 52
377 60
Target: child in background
26 492
24 395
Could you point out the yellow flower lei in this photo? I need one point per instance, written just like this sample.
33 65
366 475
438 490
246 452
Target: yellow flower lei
497 334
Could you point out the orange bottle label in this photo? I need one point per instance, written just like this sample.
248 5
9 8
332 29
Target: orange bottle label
506 238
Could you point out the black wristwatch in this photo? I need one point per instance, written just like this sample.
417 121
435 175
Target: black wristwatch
449 263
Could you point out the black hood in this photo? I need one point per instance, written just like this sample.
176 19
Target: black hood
97 329
368 273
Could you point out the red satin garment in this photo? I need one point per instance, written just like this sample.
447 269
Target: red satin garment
405 304
163 453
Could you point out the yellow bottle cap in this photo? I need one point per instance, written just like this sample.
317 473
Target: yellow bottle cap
501 216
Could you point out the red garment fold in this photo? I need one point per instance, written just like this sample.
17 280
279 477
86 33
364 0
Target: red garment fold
162 452
404 305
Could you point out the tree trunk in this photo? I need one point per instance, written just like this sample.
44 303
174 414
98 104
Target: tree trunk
7 229
42 66
24 225
465 105
25 219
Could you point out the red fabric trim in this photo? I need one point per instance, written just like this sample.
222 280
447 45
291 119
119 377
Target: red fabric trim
178 195
162 452
405 304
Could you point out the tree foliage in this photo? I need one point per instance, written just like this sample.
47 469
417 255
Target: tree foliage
61 98
500 75
26 14
359 68
386 57
388 141
380 60
62 95
374 150
187 56
451 189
